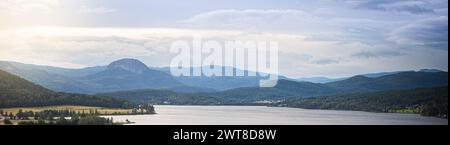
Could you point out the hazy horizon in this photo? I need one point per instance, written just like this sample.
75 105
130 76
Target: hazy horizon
291 77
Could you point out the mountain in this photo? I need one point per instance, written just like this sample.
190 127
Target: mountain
18 92
43 76
324 80
286 89
130 74
74 73
403 80
220 83
431 70
381 74
119 75
99 79
425 101
16 86
129 65
321 80
283 90
369 75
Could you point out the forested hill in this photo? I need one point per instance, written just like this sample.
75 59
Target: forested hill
425 101
18 92
399 81
286 89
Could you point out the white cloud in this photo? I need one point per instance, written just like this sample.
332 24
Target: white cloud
419 7
27 6
332 27
78 47
328 38
252 19
425 33
86 9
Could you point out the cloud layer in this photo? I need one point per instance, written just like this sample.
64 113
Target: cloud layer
317 38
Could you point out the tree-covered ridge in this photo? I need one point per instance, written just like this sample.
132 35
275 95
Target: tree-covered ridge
425 101
18 92
398 81
20 87
286 89
167 97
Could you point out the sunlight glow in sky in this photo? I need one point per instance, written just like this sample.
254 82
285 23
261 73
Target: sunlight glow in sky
317 37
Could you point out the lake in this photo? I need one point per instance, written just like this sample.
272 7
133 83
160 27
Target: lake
260 115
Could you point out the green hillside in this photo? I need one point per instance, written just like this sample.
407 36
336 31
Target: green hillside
286 89
425 101
18 92
403 80
283 90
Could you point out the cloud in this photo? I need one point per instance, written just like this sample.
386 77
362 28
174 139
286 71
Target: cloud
405 6
251 19
324 61
316 27
428 33
326 37
86 9
78 47
376 54
27 6
22 13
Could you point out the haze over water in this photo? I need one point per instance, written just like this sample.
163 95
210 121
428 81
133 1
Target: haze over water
259 115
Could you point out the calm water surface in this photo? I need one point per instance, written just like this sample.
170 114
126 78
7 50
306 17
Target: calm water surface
259 115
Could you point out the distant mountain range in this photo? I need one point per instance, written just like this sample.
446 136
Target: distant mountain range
221 83
402 80
286 89
370 75
131 74
318 79
129 81
125 74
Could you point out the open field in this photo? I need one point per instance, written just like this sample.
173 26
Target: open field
78 109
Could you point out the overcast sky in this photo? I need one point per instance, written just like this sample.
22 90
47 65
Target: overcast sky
317 37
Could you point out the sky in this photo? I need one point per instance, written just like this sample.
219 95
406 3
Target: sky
332 38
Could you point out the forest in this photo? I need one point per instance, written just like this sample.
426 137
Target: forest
18 92
424 101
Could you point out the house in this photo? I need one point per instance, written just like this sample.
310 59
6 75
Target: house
2 120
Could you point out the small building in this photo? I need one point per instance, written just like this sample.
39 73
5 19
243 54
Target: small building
2 122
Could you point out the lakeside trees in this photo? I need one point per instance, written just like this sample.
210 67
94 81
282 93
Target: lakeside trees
71 117
426 101
74 120
8 100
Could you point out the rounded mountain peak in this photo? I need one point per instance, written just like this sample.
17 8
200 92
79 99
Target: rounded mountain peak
131 65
